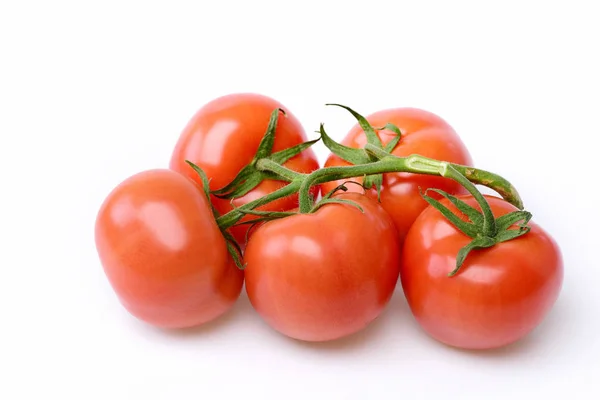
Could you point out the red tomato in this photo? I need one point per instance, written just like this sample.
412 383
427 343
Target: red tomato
498 296
423 133
223 136
322 276
163 253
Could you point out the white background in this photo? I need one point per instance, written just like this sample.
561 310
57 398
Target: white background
92 92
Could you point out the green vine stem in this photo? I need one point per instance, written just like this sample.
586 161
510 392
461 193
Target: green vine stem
475 175
370 163
414 164
282 172
301 183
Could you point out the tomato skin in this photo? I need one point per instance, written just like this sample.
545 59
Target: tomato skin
423 133
223 136
322 276
499 295
163 253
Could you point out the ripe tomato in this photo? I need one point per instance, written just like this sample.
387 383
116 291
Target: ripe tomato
322 276
163 253
223 136
498 296
423 133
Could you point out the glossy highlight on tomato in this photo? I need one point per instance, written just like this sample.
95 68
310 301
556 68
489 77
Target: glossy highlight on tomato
325 275
499 295
163 252
222 138
423 133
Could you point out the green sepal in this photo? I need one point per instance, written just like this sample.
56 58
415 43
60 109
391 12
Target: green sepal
511 234
232 246
467 228
374 180
481 242
488 226
247 185
390 127
237 259
250 176
505 221
482 237
372 139
392 143
234 249
364 124
241 177
203 178
350 154
475 216
265 148
284 155
356 157
205 186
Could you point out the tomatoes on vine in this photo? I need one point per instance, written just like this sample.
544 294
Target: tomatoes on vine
422 133
323 275
223 137
498 296
163 252
477 274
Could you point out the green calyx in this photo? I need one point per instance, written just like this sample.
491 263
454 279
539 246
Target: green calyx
250 176
361 156
205 185
485 230
233 246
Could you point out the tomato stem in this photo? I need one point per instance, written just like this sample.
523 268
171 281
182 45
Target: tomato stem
265 164
493 181
475 175
301 183
381 162
414 164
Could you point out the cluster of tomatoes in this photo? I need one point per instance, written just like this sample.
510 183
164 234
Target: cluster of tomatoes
327 274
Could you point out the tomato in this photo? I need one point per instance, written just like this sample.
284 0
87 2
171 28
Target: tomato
325 275
498 296
163 252
223 136
423 133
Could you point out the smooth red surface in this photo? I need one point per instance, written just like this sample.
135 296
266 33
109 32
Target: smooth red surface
222 138
500 294
163 253
423 133
322 276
